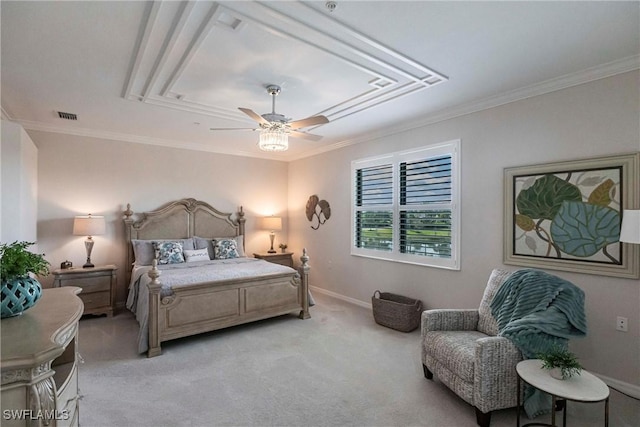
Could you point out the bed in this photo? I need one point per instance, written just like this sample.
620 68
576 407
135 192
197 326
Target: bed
212 287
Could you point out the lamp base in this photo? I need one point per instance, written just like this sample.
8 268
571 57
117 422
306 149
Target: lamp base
88 245
272 236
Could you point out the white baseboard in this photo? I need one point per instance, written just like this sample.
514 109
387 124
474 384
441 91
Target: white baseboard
341 297
623 387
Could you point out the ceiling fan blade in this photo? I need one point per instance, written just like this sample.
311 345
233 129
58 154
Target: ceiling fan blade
309 121
305 135
255 116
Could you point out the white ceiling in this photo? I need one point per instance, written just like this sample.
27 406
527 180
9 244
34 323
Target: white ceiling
166 72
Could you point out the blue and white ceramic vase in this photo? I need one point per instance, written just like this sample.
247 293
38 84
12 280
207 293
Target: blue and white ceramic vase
19 295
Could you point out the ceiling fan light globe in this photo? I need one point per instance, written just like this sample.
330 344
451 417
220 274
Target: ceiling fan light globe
273 140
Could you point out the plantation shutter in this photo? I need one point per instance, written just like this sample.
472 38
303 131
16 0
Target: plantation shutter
374 190
374 186
406 206
425 207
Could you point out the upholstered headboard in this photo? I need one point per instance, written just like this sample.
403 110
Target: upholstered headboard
181 219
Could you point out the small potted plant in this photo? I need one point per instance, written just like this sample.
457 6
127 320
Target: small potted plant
18 268
283 247
562 364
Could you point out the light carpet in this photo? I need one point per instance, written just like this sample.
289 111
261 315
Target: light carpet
338 368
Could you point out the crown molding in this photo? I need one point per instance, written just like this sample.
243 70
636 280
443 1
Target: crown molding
602 71
136 139
595 73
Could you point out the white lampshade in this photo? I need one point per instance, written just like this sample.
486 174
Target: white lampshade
630 229
88 225
273 223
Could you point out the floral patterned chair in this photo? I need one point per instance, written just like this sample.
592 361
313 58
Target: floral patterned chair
462 349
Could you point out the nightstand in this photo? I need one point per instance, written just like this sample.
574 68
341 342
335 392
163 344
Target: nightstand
282 258
98 286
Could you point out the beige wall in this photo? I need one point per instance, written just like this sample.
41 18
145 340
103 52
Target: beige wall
594 119
79 175
19 171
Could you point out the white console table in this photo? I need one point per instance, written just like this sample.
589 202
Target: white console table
39 361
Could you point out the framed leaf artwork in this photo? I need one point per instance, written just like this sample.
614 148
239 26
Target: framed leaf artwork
567 215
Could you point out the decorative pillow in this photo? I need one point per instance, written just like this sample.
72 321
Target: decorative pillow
202 243
144 251
226 249
240 245
169 252
196 255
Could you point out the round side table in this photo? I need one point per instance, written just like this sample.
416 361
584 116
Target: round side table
585 387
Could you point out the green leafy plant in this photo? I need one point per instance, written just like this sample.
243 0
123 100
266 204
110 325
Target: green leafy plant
283 246
16 261
561 358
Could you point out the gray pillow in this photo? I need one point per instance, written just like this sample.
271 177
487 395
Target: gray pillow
202 243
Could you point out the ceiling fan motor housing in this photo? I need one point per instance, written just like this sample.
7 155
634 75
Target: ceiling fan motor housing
275 117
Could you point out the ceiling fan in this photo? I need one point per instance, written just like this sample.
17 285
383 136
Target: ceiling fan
275 128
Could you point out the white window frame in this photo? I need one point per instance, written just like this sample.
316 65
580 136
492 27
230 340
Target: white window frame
395 159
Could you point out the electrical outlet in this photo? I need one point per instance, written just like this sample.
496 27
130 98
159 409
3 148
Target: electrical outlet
621 324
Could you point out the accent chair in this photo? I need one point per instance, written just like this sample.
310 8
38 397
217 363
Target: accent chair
462 349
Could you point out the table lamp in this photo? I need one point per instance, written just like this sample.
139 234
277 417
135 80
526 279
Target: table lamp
273 224
88 225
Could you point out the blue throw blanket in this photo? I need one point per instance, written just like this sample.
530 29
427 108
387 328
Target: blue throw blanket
538 311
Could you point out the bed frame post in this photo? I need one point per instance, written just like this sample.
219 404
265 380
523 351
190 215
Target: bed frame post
304 273
241 220
128 222
154 305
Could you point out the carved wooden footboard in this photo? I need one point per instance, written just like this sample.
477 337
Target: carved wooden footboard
205 307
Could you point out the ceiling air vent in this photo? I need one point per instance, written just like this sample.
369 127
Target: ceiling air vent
67 116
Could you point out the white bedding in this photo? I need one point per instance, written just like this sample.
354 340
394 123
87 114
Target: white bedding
185 274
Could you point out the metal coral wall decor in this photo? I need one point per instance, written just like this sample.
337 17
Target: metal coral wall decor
319 210
566 215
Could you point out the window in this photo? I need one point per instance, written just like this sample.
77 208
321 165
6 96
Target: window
406 206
